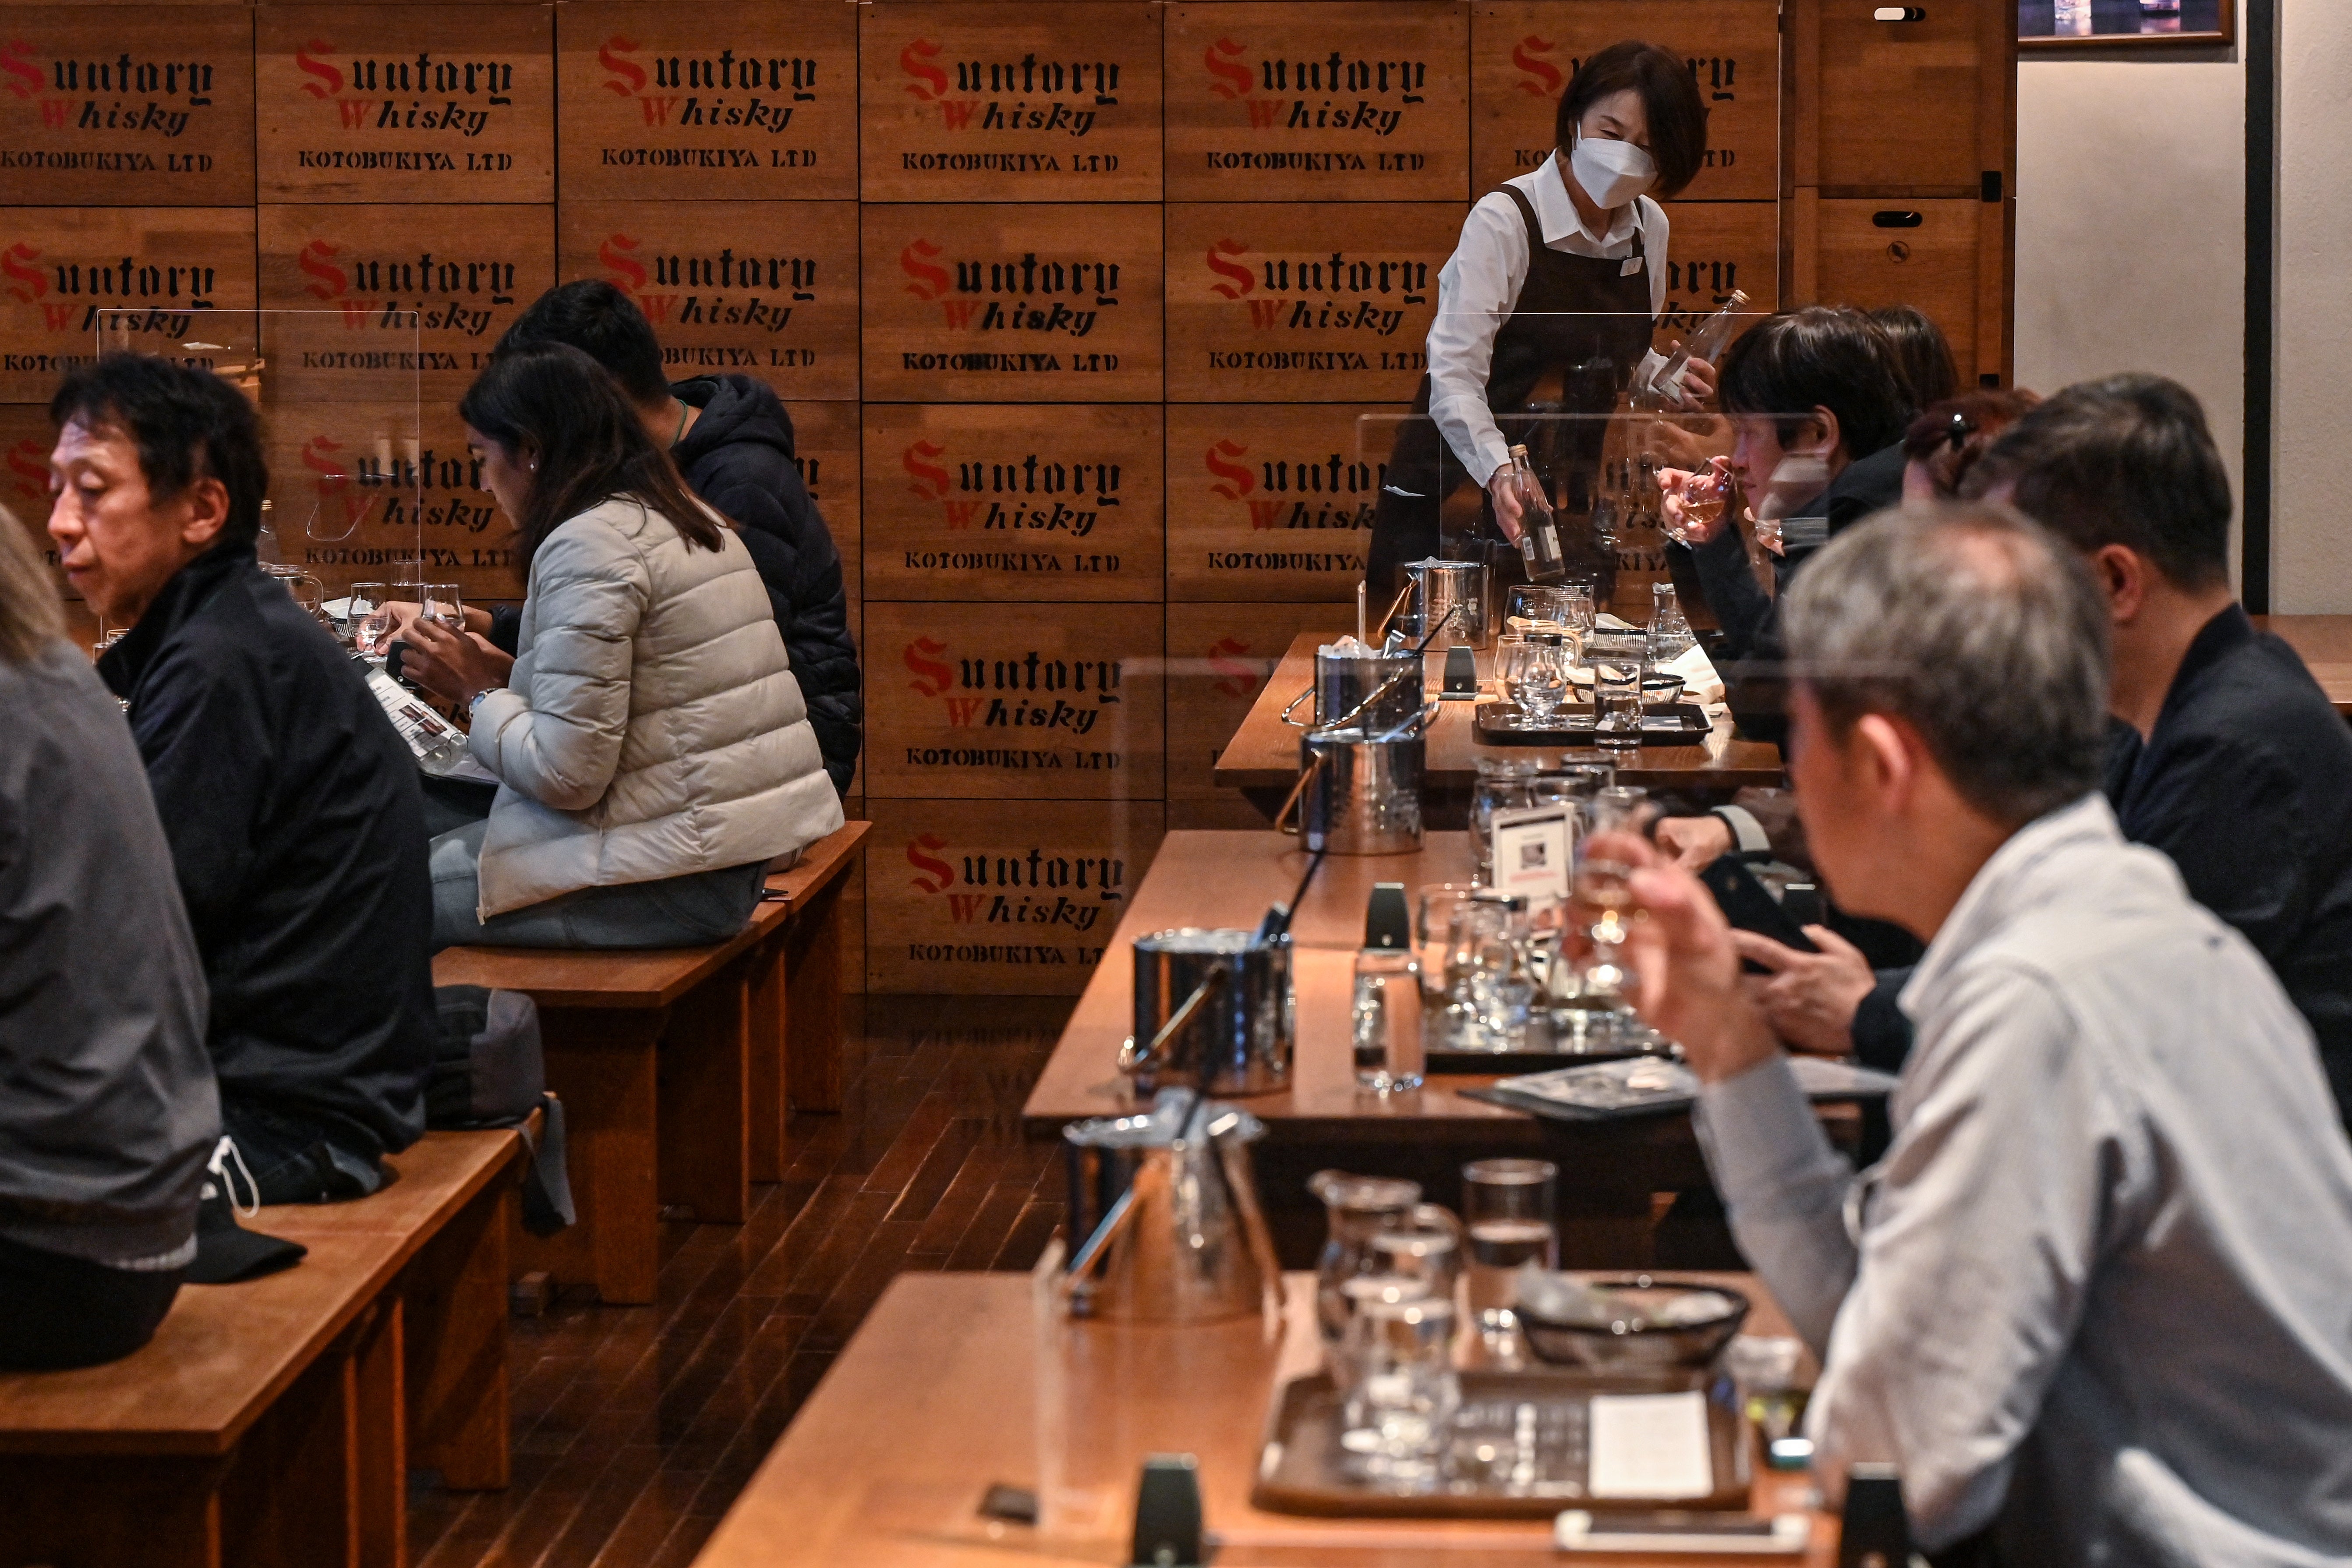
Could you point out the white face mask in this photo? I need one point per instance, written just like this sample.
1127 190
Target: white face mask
1611 173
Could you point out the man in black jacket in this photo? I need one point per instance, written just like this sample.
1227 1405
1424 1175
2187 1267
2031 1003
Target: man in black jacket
733 441
2229 758
290 803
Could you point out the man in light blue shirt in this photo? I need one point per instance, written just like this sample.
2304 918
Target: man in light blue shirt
2095 1303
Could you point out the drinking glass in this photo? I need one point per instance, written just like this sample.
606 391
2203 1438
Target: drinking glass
1389 1053
442 602
1534 607
1617 703
1669 635
1701 496
1601 892
1542 666
1576 614
1424 1247
1507 1209
1403 1392
370 620
1434 921
1501 785
1487 992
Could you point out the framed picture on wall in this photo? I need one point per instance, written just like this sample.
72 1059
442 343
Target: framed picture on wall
2053 26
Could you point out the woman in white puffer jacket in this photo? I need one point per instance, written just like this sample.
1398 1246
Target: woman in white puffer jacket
654 755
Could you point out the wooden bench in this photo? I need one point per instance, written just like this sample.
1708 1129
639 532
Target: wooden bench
273 1422
717 1044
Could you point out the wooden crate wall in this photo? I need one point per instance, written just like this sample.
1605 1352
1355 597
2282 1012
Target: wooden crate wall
1094 317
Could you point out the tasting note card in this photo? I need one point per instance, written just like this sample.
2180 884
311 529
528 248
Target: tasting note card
1650 1445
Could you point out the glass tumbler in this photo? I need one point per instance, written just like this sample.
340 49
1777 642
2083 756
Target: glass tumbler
1617 703
1403 1392
1425 1247
1501 785
369 622
442 602
1432 922
1389 1052
1600 891
1508 1209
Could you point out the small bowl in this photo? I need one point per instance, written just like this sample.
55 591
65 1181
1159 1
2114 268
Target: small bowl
1643 1327
1661 690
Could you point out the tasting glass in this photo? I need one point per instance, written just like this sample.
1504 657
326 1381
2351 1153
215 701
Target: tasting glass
365 612
1488 992
442 602
1542 677
1702 495
1617 703
1502 785
1576 611
1434 921
1536 606
1402 1391
1425 1247
1600 891
1389 1052
1508 1210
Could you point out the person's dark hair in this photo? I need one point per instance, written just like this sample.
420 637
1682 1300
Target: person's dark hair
552 402
188 425
1821 356
602 322
2125 460
1977 628
1923 357
1670 102
1954 435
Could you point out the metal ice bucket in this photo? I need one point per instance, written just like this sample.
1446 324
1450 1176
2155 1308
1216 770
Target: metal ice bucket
1449 598
1212 1012
1359 790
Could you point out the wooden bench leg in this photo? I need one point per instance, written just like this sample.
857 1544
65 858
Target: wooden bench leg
766 1003
455 1297
812 1075
98 1512
292 1496
600 1062
380 1439
705 1099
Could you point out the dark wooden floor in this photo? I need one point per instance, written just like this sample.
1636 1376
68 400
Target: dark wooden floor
635 1426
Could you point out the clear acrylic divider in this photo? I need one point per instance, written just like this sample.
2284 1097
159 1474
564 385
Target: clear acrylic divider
340 399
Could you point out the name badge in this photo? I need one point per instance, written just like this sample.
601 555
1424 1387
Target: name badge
1633 265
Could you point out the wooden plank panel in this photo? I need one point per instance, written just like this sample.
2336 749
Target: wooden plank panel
470 271
766 289
708 102
1219 657
1273 503
1898 101
1523 54
1042 701
26 438
1010 102
1303 303
1336 103
62 268
999 897
825 450
1714 247
1933 266
405 103
975 500
126 107
985 304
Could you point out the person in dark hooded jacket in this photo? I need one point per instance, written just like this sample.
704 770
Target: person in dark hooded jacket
732 440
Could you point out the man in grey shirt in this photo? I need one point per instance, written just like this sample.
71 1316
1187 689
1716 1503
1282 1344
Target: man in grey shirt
2095 1303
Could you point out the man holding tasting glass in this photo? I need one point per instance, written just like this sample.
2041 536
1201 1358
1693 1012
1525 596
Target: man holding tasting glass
2093 1301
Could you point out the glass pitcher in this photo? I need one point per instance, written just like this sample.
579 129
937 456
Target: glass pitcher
1357 1209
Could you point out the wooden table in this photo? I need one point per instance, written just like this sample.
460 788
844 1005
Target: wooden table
1609 1172
1262 759
958 1382
2326 643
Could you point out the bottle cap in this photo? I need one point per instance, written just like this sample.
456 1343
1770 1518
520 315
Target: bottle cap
1519 451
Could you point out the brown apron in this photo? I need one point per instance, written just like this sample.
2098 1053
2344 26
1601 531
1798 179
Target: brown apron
1579 329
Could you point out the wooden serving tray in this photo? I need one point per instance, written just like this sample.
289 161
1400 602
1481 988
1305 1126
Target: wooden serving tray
1303 1470
1500 724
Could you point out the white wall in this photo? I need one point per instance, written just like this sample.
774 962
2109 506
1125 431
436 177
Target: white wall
2131 225
2311 548
2131 255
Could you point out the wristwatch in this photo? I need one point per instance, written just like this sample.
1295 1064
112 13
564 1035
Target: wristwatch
475 706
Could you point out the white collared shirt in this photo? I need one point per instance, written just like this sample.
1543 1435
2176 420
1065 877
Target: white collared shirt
2100 1287
1480 286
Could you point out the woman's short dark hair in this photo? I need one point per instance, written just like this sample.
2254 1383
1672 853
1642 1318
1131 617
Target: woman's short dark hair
596 318
553 403
1950 436
1922 353
187 424
1669 100
1821 356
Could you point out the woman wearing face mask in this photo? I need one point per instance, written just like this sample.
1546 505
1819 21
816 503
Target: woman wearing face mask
1547 304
